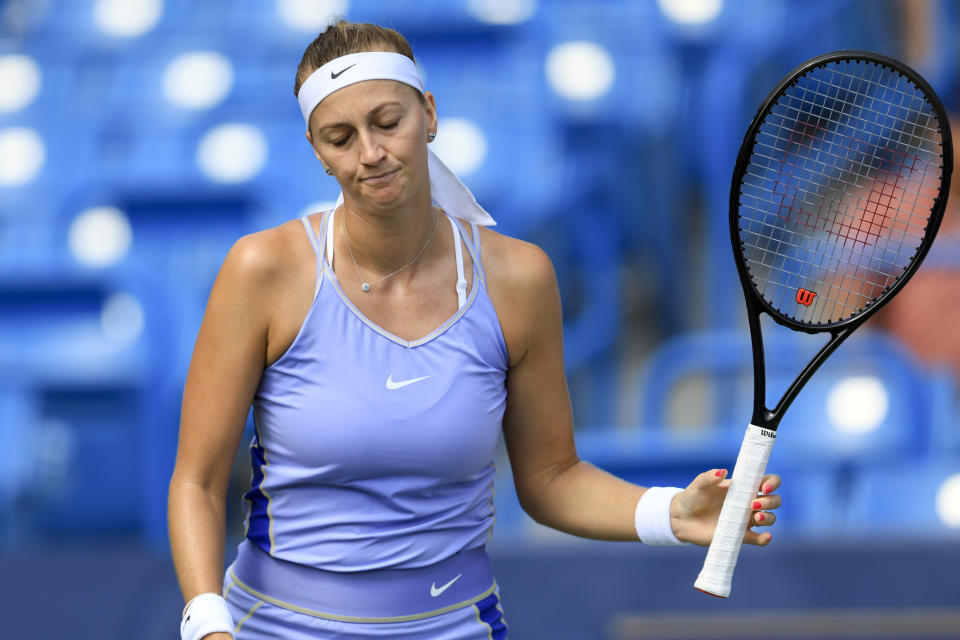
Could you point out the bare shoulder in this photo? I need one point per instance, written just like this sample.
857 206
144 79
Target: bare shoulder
523 288
264 259
263 272
516 266
261 254
275 273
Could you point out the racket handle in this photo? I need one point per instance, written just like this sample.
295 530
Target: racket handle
717 572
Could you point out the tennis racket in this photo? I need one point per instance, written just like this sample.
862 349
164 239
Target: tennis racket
838 192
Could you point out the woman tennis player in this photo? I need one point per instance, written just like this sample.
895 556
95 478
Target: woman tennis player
384 345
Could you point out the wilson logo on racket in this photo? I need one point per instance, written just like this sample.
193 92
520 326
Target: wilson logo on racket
805 297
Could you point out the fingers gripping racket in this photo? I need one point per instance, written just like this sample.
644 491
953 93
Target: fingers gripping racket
838 191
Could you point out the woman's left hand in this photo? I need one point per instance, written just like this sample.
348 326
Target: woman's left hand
695 510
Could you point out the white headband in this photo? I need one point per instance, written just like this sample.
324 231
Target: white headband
352 68
445 187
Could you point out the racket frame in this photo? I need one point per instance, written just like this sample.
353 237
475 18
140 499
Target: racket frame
756 304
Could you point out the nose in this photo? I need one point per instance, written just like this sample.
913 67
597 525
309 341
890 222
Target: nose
371 152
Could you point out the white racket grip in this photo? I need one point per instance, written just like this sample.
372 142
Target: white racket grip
717 572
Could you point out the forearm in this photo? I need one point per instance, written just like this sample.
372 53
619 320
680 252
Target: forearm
585 501
196 518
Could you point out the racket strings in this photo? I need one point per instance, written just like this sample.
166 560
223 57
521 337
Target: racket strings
837 197
888 156
913 225
854 151
832 183
876 204
919 105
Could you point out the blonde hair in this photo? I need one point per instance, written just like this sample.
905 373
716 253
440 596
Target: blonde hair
342 38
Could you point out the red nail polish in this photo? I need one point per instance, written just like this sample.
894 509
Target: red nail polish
756 504
767 488
719 473
761 518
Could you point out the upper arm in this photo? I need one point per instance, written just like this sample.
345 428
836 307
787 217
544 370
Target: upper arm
226 366
537 422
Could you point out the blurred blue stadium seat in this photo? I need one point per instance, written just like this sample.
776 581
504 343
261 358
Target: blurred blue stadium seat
900 500
17 457
721 363
939 66
697 395
71 21
84 392
77 22
945 423
26 213
812 432
648 79
585 255
484 82
419 21
588 274
69 159
621 148
181 239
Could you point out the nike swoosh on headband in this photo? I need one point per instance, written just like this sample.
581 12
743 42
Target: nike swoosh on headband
334 76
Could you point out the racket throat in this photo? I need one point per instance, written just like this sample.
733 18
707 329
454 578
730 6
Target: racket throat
762 417
770 418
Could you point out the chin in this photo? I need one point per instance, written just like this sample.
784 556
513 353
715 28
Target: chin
390 198
384 201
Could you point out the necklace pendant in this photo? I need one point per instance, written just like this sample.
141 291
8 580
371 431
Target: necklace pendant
365 287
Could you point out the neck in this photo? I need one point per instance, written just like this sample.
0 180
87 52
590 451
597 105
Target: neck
385 240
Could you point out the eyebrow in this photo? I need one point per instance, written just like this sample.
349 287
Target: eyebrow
374 112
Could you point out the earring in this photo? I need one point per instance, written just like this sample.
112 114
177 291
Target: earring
431 136
328 171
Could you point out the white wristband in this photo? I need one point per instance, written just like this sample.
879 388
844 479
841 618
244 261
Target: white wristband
204 614
652 517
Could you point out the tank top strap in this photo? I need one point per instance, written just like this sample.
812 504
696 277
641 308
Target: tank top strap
473 246
316 244
327 237
475 234
461 278
311 234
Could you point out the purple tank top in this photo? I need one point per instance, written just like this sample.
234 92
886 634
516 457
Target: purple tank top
373 452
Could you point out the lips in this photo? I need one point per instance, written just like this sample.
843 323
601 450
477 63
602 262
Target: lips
382 177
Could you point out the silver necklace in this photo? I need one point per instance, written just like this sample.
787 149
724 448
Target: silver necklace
365 286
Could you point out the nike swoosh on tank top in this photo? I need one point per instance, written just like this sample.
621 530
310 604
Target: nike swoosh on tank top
373 452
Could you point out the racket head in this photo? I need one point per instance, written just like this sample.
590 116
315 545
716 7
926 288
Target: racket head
839 189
